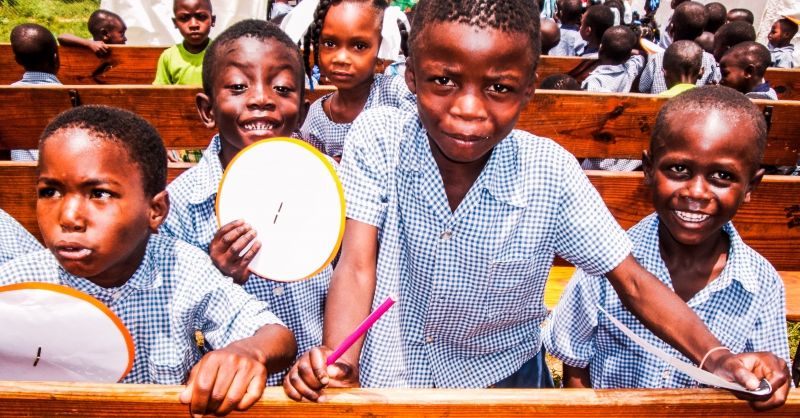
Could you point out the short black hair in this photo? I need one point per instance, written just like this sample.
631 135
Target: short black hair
736 107
737 14
248 28
559 82
599 18
706 41
752 53
550 34
688 21
717 14
788 26
510 16
137 136
617 43
34 47
570 11
102 19
730 34
683 57
175 4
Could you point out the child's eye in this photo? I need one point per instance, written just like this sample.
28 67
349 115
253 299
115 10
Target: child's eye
678 168
101 194
328 44
499 88
443 81
48 193
237 88
361 46
283 90
722 175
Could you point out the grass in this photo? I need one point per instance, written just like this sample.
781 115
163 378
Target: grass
60 16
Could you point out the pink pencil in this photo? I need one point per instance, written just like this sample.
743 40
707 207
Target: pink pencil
362 329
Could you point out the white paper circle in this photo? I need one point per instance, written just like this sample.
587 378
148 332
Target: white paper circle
290 194
53 332
650 46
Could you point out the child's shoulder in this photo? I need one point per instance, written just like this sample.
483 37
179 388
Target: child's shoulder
36 266
200 181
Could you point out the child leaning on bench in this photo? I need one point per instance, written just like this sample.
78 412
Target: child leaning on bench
101 197
460 216
700 167
107 28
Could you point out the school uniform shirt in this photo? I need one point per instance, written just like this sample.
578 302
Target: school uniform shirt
677 89
175 291
32 78
653 82
470 282
782 57
571 43
192 218
763 91
614 78
176 65
15 240
745 308
328 136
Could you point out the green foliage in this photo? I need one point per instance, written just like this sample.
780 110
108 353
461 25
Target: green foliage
794 337
60 16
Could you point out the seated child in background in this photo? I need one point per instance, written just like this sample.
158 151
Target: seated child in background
743 68
36 50
559 82
706 41
688 22
551 34
683 62
460 216
780 43
617 68
741 15
731 34
183 63
594 23
717 14
571 42
346 39
107 28
15 240
253 87
101 197
701 167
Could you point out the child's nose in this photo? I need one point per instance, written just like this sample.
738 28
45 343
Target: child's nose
469 106
71 216
260 96
697 189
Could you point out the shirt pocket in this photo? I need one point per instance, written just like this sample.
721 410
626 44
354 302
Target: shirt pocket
170 365
515 290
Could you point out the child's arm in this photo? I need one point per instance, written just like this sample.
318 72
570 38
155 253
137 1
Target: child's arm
233 378
576 377
226 248
349 301
98 47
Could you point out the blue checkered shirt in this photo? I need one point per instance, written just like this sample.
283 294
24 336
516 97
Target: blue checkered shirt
614 78
470 282
32 78
15 240
571 43
192 218
175 291
782 57
328 136
763 91
653 82
745 308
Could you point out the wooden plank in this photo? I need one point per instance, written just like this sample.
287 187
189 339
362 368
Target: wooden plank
114 401
786 82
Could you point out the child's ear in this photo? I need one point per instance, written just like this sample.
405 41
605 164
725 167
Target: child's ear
411 78
159 208
647 167
754 182
206 110
104 34
750 71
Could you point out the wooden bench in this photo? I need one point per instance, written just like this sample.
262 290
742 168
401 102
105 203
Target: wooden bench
117 401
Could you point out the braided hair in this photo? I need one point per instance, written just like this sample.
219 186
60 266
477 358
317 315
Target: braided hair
269 9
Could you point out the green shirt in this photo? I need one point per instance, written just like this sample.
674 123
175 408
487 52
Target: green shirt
405 5
677 89
176 65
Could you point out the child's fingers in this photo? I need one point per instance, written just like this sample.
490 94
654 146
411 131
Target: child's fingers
227 228
302 388
228 390
254 391
202 386
186 396
289 389
318 365
238 246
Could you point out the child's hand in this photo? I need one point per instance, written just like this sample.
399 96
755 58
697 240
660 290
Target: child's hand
310 375
748 369
227 245
99 48
224 380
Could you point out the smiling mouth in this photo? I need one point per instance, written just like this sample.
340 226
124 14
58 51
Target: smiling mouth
691 216
258 126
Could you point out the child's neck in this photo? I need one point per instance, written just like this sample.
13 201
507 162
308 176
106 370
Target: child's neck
344 106
196 49
603 60
457 177
593 44
693 267
682 79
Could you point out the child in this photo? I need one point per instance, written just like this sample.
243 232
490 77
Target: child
15 240
559 82
780 43
551 34
665 32
688 22
717 13
101 197
36 50
107 28
460 216
682 67
346 38
617 68
700 168
594 23
183 63
741 15
253 89
731 34
571 43
743 68
706 41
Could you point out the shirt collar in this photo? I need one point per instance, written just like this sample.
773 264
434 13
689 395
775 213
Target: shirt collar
208 174
40 77
609 69
762 88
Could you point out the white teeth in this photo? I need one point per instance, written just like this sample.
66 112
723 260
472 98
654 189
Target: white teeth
691 217
258 126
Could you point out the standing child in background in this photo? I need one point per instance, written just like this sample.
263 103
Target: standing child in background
594 23
683 62
253 87
730 34
183 63
347 43
460 216
101 198
15 240
665 37
717 13
107 28
703 163
617 68
743 68
780 43
569 15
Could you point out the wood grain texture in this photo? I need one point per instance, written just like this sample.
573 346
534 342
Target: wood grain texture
35 399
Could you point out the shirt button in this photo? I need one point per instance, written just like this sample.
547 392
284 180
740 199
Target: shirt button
428 340
665 375
277 291
446 235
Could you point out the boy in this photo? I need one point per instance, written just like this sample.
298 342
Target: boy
743 68
741 15
687 24
569 15
617 68
460 216
551 34
253 87
107 28
731 34
183 63
36 50
594 23
665 32
15 240
780 43
682 67
717 13
701 168
559 82
101 197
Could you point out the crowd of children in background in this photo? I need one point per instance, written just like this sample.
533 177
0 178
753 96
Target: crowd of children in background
447 205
